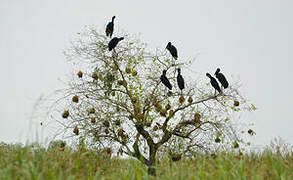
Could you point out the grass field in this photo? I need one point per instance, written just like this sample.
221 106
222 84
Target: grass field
29 162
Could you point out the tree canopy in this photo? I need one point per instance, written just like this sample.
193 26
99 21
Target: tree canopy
116 100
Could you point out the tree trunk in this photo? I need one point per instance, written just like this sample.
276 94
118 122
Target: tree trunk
152 170
152 161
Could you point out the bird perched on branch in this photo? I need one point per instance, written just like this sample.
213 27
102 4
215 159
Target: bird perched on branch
221 78
110 28
214 83
165 80
113 43
172 49
180 80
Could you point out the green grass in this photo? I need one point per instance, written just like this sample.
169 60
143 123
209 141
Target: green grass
17 162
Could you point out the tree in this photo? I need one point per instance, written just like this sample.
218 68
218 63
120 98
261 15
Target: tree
117 102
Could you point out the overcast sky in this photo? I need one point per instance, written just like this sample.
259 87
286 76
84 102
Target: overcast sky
251 39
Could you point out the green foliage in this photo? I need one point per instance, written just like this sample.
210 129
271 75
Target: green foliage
29 162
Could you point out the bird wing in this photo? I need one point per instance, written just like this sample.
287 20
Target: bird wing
174 52
166 82
109 28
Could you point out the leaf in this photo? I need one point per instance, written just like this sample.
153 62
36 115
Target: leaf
139 58
253 107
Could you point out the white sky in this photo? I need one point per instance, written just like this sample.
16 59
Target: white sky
251 39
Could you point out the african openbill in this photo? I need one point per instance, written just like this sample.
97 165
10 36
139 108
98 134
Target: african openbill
113 43
165 80
172 49
214 83
221 78
180 80
110 28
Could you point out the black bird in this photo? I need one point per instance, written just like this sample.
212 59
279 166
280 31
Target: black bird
172 49
110 28
113 43
214 83
221 78
180 80
165 80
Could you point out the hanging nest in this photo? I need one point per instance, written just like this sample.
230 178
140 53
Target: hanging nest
136 108
155 128
158 107
122 83
93 120
190 100
117 122
134 73
236 103
75 99
163 112
181 99
127 70
148 123
251 132
168 106
79 74
217 140
75 130
171 113
95 76
65 114
109 150
235 145
120 132
197 117
92 110
134 99
61 146
139 116
106 123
